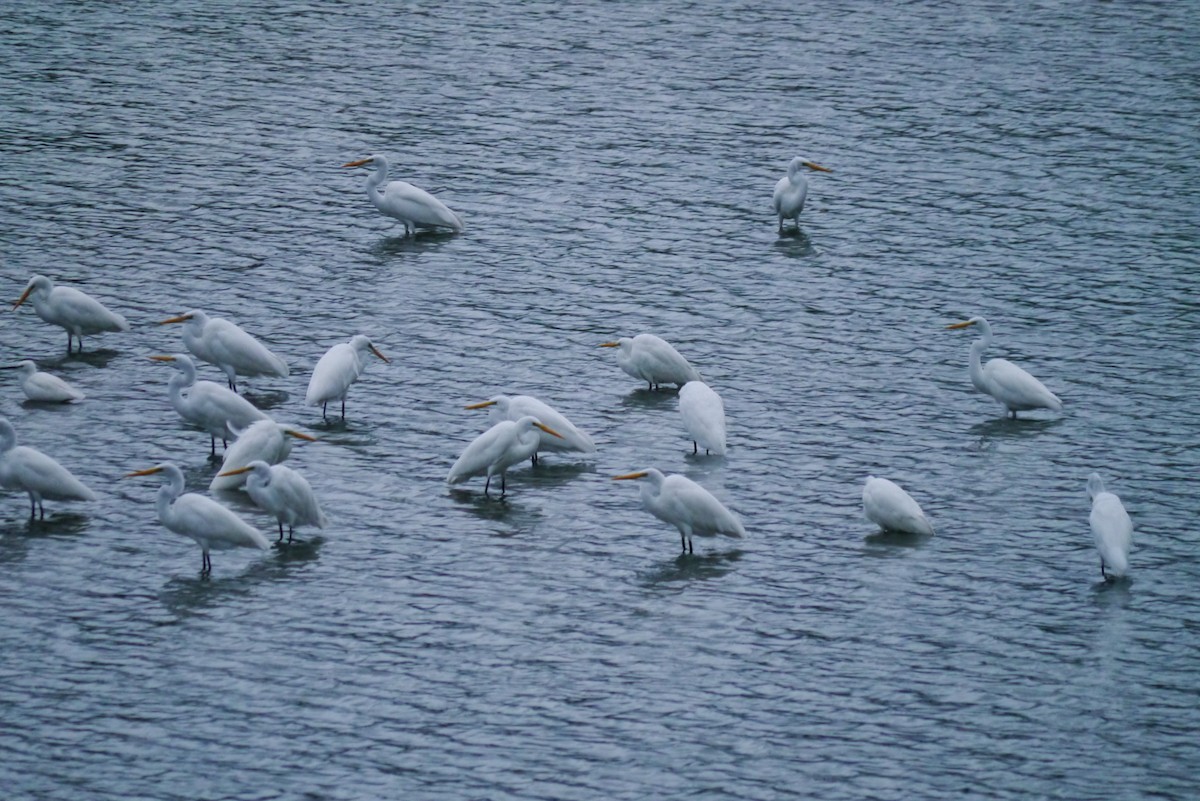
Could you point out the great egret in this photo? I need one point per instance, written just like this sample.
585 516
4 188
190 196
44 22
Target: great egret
43 387
282 492
218 341
211 406
683 503
1111 528
1014 388
210 524
703 416
337 370
78 312
35 473
513 407
792 189
264 440
413 207
497 449
653 360
893 509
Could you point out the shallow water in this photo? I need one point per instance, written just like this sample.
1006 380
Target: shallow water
614 164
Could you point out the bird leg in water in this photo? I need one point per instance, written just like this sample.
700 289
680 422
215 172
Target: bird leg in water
533 459
343 408
1102 570
323 405
695 447
205 564
291 531
503 490
280 532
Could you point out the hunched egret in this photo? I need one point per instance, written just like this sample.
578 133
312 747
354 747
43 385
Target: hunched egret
43 387
497 449
703 415
1014 388
413 207
653 360
893 509
218 341
283 493
211 406
210 524
264 440
513 407
33 472
77 312
337 370
683 503
792 189
1111 528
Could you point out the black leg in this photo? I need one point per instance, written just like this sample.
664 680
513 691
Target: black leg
213 451
323 405
32 508
280 532
68 343
41 510
534 460
690 545
503 489
649 386
343 408
682 543
1102 570
487 484
291 532
695 447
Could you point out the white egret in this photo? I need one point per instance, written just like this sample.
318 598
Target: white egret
683 503
893 509
1014 388
703 416
1111 528
284 493
77 312
264 440
33 472
513 407
337 370
211 406
43 387
413 207
497 449
792 189
218 341
653 360
210 524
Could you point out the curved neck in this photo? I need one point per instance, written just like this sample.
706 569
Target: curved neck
977 348
8 436
378 178
168 492
794 172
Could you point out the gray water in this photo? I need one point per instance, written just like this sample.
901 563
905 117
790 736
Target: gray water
1033 163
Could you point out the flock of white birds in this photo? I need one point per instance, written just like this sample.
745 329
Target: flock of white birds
522 426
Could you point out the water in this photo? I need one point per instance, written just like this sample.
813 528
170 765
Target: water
614 163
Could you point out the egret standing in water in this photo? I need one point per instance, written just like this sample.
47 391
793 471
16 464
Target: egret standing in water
893 509
683 503
210 524
1014 388
218 341
33 472
211 406
264 440
1111 528
337 370
566 436
413 207
283 493
497 449
703 416
77 312
653 360
43 387
792 189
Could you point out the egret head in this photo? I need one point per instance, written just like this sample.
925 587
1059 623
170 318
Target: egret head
26 367
362 342
624 343
369 160
800 161
500 401
1095 485
529 421
39 284
261 470
194 316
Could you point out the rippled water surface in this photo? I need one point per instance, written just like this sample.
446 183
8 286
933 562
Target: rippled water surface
1033 163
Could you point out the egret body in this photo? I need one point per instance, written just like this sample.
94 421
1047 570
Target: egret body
402 201
1111 528
218 341
78 312
1014 388
33 472
653 360
210 524
792 189
44 387
284 493
683 503
703 415
893 509
265 441
337 370
513 407
211 406
497 449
